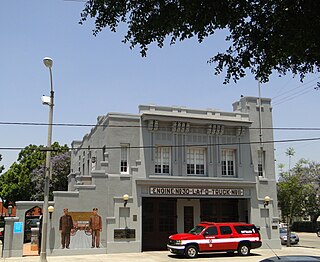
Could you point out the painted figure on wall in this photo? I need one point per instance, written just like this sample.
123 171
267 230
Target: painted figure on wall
65 226
95 224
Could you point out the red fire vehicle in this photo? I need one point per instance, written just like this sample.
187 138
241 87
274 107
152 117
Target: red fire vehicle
214 237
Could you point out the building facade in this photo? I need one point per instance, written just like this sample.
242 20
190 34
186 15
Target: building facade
178 166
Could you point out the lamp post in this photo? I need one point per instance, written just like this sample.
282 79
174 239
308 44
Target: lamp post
43 254
125 198
50 210
10 207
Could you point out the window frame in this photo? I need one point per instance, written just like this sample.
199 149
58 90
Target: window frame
126 166
162 159
261 163
192 171
228 169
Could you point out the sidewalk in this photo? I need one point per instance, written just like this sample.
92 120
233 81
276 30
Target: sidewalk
164 256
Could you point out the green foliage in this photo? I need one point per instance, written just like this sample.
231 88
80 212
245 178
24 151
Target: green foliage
17 184
1 167
299 191
59 182
291 195
264 35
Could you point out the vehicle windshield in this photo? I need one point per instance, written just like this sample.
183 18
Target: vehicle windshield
283 230
196 230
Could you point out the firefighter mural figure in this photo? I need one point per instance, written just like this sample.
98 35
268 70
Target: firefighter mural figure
65 226
95 224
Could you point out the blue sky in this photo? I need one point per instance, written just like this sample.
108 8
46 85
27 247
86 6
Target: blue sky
96 75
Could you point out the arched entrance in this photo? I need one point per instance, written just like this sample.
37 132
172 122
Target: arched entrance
32 228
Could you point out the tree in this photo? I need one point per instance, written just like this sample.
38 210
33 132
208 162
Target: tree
264 35
310 171
291 195
290 153
1 167
59 181
16 184
299 192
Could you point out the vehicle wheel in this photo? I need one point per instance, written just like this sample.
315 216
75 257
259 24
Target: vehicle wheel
191 252
318 233
243 249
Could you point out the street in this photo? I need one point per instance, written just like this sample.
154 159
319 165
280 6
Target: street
309 245
309 240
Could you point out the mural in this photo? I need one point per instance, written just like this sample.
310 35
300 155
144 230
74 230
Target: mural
81 233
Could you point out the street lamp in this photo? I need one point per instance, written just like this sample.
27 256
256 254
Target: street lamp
50 210
10 207
43 254
266 201
125 198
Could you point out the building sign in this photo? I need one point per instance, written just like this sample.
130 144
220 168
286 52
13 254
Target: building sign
17 227
190 191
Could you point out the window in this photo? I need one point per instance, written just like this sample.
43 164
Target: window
225 230
245 229
228 162
124 159
211 231
162 160
260 162
103 153
196 161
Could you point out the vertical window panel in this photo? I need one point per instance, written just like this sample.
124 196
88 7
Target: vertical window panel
162 160
228 162
124 159
196 161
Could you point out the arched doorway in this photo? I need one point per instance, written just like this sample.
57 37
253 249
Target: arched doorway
31 231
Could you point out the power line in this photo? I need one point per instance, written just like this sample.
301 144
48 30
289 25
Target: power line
142 126
286 92
178 146
288 95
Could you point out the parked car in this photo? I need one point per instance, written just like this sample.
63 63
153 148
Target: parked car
212 237
294 238
2 230
1 234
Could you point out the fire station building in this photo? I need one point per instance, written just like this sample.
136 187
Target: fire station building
165 169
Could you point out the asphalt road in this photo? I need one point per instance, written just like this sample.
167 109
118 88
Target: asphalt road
309 240
309 245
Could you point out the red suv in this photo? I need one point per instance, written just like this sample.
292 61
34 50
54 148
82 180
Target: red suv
212 237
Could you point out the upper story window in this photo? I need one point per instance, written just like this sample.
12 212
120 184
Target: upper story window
196 161
228 162
162 160
124 159
261 163
103 153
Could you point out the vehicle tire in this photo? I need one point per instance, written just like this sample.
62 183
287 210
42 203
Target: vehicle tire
244 249
318 233
191 251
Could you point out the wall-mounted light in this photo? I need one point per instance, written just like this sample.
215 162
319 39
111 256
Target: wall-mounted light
125 198
266 201
10 207
50 210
